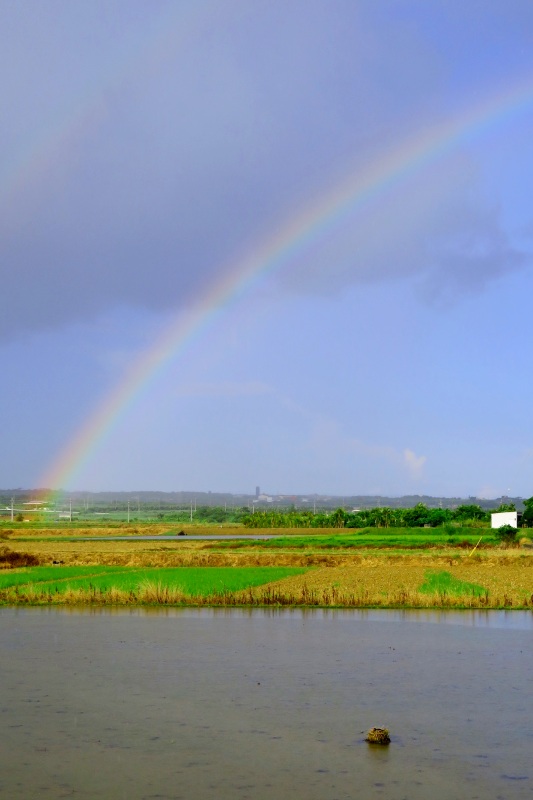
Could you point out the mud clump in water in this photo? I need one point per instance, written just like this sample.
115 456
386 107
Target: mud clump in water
378 736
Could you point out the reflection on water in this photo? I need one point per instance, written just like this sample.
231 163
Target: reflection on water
265 704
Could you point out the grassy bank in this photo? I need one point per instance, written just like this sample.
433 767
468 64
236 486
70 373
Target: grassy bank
372 582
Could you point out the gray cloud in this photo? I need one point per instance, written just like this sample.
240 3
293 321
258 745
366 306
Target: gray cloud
471 258
434 226
186 150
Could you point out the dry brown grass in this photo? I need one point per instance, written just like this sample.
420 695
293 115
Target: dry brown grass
269 595
374 582
168 554
185 552
120 529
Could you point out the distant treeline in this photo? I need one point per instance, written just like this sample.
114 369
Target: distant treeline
211 515
382 517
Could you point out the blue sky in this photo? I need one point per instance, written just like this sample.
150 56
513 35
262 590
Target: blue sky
148 145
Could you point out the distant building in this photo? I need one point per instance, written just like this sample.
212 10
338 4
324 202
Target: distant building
265 498
513 518
257 491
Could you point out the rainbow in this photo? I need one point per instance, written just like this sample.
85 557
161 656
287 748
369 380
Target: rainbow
296 234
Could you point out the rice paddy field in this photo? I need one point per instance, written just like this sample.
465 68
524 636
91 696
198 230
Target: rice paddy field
129 584
345 570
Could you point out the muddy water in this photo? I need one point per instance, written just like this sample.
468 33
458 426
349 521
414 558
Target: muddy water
232 705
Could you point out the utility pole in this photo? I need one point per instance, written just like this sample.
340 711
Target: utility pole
128 510
12 509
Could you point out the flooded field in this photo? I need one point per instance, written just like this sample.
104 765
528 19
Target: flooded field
264 703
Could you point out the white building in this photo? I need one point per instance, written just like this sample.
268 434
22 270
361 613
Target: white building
505 518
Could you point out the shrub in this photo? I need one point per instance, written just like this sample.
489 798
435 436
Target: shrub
506 533
11 558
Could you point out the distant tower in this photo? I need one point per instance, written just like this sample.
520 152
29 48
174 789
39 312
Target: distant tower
257 491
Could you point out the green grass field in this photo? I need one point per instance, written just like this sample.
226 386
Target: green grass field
367 537
192 581
443 582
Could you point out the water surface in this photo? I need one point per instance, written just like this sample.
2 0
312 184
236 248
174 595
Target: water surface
234 704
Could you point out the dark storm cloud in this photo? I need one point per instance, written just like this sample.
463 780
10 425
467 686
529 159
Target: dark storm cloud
189 152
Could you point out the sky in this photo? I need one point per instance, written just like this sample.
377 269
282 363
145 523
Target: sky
266 243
